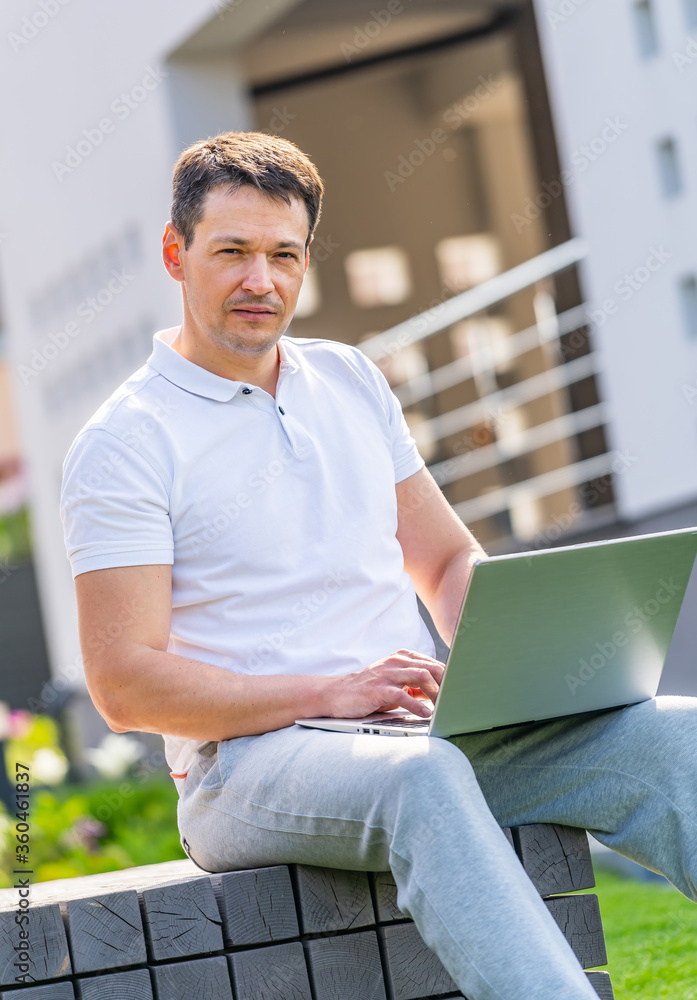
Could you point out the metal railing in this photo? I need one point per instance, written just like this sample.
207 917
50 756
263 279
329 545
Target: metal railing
555 380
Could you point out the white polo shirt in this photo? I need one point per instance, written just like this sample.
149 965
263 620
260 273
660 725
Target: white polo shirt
278 516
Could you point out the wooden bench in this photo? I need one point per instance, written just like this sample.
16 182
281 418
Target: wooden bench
172 932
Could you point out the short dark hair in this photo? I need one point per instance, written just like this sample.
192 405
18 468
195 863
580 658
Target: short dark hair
273 165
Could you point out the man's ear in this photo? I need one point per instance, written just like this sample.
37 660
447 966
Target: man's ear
172 246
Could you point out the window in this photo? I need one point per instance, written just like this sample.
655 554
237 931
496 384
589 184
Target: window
669 168
465 261
378 277
645 27
688 302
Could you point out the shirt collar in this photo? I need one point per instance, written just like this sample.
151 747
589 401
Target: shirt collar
199 381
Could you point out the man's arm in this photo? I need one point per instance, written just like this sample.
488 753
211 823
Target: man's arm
124 616
439 550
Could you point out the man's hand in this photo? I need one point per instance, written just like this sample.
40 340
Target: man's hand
400 680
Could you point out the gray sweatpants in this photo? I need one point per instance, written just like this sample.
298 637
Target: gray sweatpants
431 811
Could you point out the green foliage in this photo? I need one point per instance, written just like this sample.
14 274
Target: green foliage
98 827
15 537
36 743
650 930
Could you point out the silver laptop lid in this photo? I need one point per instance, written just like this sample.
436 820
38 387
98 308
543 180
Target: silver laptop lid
559 631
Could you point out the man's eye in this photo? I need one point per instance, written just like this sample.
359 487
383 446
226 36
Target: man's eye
230 250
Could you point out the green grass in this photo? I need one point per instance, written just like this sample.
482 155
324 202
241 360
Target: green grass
651 935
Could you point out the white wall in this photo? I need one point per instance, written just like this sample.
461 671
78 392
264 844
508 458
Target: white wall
88 223
595 73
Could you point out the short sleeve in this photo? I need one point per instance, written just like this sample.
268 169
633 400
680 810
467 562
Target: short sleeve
405 455
114 506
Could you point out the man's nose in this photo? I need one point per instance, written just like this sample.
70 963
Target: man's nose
257 278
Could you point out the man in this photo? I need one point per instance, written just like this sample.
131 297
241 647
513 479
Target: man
248 553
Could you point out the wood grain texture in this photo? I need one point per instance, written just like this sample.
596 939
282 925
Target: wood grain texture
556 858
601 983
142 877
51 991
333 900
106 932
48 953
131 985
257 906
413 969
385 891
579 919
202 979
346 967
278 972
181 919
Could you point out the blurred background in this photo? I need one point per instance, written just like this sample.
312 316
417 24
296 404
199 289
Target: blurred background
509 231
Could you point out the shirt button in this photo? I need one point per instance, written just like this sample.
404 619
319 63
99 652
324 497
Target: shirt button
246 391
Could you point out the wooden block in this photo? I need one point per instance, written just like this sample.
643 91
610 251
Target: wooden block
51 991
333 900
131 985
257 906
106 932
414 970
182 919
579 919
205 979
600 981
278 972
557 858
386 897
47 956
346 967
143 877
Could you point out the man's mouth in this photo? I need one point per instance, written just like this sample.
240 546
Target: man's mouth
255 310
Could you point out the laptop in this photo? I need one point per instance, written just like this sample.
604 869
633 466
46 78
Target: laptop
551 633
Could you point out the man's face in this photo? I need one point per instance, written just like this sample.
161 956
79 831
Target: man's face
243 270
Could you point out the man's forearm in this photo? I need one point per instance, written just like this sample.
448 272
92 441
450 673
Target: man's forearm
445 603
160 692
